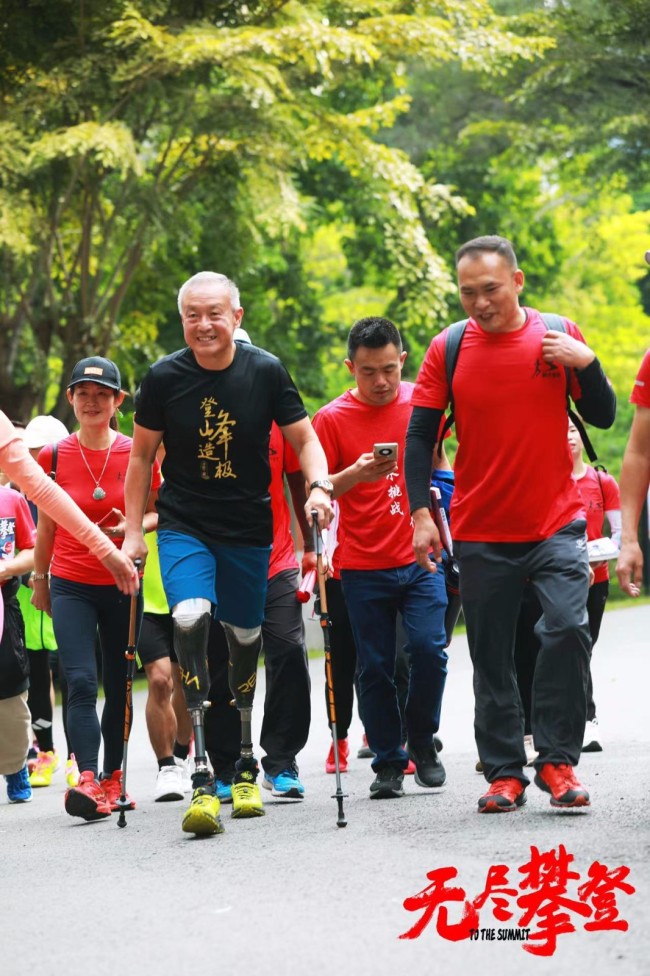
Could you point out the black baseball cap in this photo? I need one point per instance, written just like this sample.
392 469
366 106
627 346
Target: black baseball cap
96 369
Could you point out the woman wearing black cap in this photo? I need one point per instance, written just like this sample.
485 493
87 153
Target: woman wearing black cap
72 584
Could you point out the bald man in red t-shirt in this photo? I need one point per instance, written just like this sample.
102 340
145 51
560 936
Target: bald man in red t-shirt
517 514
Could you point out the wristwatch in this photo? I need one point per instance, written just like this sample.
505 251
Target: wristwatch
325 484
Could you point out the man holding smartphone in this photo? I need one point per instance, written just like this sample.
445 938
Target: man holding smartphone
363 433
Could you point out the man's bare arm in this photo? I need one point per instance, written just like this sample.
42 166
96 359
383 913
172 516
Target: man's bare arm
313 464
137 488
634 481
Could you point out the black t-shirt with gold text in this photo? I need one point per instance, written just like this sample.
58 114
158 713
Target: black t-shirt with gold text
216 426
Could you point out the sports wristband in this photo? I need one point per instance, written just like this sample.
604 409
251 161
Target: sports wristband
40 576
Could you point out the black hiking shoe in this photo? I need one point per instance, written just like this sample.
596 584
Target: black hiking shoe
429 770
388 783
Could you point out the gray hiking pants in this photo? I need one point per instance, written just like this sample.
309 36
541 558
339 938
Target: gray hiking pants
492 578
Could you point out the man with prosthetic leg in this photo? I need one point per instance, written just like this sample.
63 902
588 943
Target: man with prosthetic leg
212 405
192 622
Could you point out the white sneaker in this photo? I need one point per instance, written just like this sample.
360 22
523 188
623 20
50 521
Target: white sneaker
591 741
184 765
169 784
529 747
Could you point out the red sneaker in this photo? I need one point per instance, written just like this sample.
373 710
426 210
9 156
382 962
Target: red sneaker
504 796
112 787
410 769
344 752
560 781
86 799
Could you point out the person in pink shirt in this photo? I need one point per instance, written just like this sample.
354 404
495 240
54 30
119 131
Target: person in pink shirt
16 463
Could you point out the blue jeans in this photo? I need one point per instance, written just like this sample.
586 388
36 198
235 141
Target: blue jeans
373 599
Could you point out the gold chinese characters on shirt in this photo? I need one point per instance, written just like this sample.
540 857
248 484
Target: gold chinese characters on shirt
215 436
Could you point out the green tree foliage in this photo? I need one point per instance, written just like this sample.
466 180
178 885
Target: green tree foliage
557 184
134 135
592 91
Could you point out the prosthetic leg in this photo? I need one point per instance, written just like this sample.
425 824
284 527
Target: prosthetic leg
244 646
192 621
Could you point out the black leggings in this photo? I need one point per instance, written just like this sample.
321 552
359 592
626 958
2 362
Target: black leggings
80 611
38 699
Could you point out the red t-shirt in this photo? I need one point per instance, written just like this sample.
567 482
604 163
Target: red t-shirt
600 494
282 458
17 529
513 466
641 389
374 518
71 560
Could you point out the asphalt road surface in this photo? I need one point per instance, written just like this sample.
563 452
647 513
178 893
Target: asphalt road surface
290 893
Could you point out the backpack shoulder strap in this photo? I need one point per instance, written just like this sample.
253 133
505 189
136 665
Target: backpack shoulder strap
554 322
600 469
557 324
453 337
55 451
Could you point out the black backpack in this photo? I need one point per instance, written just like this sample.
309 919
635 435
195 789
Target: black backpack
455 332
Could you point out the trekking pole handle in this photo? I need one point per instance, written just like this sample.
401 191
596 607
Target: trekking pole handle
318 539
134 607
318 549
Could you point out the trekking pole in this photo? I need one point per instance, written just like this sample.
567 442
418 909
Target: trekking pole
320 606
129 654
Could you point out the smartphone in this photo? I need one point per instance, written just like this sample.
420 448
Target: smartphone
385 452
109 521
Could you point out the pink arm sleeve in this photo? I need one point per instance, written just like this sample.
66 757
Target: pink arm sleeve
16 462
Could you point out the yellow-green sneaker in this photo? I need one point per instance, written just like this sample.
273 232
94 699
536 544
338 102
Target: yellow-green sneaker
72 772
202 815
246 796
46 764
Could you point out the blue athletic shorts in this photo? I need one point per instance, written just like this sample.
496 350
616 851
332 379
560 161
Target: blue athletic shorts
232 578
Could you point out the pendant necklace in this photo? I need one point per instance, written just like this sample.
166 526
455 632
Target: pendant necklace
98 493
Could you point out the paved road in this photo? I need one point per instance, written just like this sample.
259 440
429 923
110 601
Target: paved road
291 894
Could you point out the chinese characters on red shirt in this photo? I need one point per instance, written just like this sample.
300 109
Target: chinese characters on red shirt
546 907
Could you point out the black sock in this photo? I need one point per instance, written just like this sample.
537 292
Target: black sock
44 738
181 752
167 761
